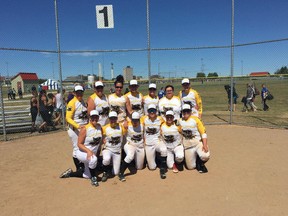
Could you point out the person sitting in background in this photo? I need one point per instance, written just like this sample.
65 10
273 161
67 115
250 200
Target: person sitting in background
33 110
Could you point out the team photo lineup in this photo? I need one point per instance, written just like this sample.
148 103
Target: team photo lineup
109 134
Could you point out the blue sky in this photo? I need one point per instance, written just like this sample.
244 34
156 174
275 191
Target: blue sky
173 24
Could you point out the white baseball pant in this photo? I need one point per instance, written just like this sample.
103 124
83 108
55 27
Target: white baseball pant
133 152
178 151
192 152
116 159
74 138
82 156
151 153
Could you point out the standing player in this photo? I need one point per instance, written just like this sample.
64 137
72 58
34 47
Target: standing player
76 117
134 147
151 98
117 100
113 136
153 141
171 135
99 101
170 102
191 97
89 141
134 99
194 141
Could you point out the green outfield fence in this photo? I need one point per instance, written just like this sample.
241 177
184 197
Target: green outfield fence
151 59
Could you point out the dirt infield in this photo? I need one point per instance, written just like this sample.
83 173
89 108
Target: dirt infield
248 175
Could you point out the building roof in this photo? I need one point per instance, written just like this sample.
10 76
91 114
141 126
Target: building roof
27 76
259 74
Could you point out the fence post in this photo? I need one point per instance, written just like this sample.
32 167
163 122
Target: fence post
3 112
232 63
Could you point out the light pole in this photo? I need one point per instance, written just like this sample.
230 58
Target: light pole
7 67
92 62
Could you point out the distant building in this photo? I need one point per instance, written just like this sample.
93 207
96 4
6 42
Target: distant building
25 81
259 74
128 73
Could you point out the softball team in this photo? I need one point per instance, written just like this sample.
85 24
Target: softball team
127 128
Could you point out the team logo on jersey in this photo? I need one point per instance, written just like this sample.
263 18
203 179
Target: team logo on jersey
136 107
83 115
105 111
96 141
169 138
69 108
187 134
115 140
165 109
137 138
115 109
151 131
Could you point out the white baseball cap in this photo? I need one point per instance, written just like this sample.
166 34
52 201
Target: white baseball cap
152 85
94 112
113 114
186 107
133 82
169 112
98 83
135 115
185 80
152 106
78 88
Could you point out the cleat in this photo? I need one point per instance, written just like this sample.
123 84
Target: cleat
66 174
175 169
121 177
104 177
202 169
94 182
162 173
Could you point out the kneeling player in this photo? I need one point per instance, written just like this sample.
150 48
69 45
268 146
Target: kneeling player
171 134
194 140
89 141
134 148
153 141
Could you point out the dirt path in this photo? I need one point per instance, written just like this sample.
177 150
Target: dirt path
248 175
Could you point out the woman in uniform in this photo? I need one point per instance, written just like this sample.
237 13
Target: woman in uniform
134 99
151 98
99 101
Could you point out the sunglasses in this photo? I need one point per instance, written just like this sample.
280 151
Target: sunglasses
119 87
152 89
113 118
99 87
152 111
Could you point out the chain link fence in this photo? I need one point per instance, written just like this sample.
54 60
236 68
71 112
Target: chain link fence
149 51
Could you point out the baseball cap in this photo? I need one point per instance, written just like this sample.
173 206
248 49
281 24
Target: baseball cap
185 80
113 114
152 106
152 85
133 82
94 112
135 115
169 112
186 107
78 88
98 83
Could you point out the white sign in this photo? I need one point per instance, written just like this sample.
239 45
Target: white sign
104 16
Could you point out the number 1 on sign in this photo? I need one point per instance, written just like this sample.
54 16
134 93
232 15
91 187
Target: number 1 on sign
104 16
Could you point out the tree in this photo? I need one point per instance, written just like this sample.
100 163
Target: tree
212 74
282 70
200 75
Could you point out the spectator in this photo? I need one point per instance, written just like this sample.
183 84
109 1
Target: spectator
33 110
20 93
14 94
234 94
60 104
161 93
264 94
